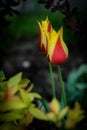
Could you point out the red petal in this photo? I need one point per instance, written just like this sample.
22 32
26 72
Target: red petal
49 27
59 56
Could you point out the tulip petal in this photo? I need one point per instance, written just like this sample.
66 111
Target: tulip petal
42 38
62 42
44 27
59 55
57 49
52 38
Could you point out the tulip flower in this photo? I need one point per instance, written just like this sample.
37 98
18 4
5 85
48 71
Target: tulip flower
44 27
57 50
51 42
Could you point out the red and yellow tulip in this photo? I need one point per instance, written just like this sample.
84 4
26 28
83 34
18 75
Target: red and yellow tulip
52 43
44 27
57 49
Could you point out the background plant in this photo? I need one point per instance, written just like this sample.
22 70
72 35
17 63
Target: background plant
17 108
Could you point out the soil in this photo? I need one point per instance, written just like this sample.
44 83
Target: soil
42 125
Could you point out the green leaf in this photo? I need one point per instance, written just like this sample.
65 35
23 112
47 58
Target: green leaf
30 88
3 86
37 113
9 126
44 103
12 91
2 75
28 118
24 82
11 116
14 80
12 104
24 96
33 95
76 83
5 126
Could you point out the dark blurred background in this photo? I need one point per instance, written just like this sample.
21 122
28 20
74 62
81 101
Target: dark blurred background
19 34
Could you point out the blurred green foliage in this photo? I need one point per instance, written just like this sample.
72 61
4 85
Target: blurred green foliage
17 107
76 84
25 25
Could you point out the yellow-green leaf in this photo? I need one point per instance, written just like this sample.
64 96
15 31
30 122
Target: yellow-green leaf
2 75
30 88
12 104
54 106
24 82
33 95
11 116
63 112
9 126
14 80
12 90
5 126
24 96
37 113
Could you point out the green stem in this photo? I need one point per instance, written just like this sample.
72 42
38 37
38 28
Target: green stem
52 80
62 85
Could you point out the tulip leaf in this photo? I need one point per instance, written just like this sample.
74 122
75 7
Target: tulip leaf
12 104
37 113
14 80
